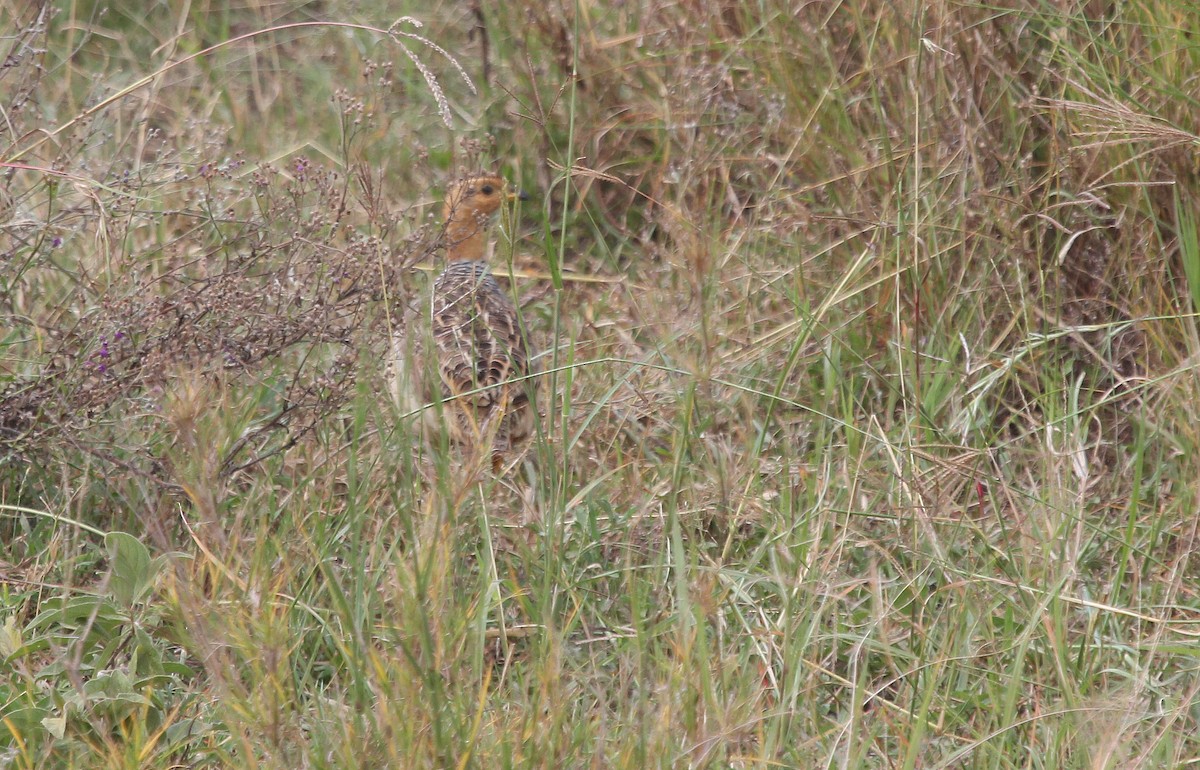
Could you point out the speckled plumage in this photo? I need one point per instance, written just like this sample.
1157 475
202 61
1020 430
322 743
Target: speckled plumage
478 347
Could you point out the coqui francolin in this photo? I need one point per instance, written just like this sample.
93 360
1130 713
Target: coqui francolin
479 363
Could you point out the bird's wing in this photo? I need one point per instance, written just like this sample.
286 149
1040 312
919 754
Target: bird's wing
476 333
500 342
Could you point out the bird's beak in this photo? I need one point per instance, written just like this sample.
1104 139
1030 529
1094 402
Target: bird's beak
518 195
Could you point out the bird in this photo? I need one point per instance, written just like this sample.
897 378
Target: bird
472 357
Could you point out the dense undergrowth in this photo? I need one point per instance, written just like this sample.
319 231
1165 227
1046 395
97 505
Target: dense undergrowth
869 408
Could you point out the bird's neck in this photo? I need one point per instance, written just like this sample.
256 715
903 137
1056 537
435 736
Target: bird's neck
466 238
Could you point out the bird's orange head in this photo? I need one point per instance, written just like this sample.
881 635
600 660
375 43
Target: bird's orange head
470 204
474 196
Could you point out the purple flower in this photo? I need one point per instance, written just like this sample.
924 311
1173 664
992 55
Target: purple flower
56 242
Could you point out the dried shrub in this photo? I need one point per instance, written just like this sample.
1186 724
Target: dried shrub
281 280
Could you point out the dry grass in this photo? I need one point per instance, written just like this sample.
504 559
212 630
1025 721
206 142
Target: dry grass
868 423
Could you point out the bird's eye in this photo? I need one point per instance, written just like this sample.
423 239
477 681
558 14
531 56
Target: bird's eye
487 189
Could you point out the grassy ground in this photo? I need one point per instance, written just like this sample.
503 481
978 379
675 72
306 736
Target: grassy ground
869 427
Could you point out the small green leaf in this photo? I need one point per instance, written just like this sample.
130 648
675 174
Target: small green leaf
10 637
57 726
130 575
